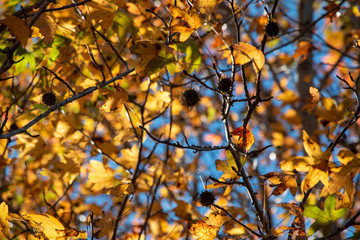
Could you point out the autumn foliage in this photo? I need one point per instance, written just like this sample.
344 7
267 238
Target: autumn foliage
202 119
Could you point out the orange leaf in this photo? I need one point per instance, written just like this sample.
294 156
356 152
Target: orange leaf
185 32
287 182
244 142
313 100
244 53
203 231
114 100
304 49
17 27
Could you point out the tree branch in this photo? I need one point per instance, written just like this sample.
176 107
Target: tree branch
63 103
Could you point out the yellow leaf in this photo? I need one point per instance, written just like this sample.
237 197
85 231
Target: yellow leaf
63 129
45 225
35 32
315 175
216 220
184 210
193 19
185 32
312 148
17 27
313 100
46 26
287 182
4 224
203 231
244 53
114 100
206 6
176 12
74 234
300 164
99 176
129 157
288 97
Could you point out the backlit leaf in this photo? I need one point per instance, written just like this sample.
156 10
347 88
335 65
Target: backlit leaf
244 53
114 100
303 50
45 226
121 189
244 142
325 217
203 231
206 6
4 223
286 182
152 57
100 176
313 100
17 27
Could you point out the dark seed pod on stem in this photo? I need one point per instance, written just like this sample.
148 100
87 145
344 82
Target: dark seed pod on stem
224 85
190 97
49 99
207 198
272 29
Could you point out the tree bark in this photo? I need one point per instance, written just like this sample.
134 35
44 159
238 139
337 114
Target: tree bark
305 68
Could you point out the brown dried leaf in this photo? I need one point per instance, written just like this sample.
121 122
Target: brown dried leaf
17 27
114 100
313 100
47 27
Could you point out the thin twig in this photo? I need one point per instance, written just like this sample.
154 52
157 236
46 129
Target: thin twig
61 80
177 144
243 225
63 103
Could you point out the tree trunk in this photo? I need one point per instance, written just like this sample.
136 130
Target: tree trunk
305 68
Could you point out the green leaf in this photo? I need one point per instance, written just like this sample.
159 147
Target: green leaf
26 60
324 218
192 55
330 211
123 25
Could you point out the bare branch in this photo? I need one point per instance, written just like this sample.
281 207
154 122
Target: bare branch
63 103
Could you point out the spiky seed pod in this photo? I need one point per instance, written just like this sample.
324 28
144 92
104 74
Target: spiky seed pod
224 85
49 98
272 29
207 198
13 127
190 97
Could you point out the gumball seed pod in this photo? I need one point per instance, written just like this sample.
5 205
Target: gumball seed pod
224 85
190 97
272 29
207 198
49 99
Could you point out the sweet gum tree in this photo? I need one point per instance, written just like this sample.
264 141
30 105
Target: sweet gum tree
178 119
